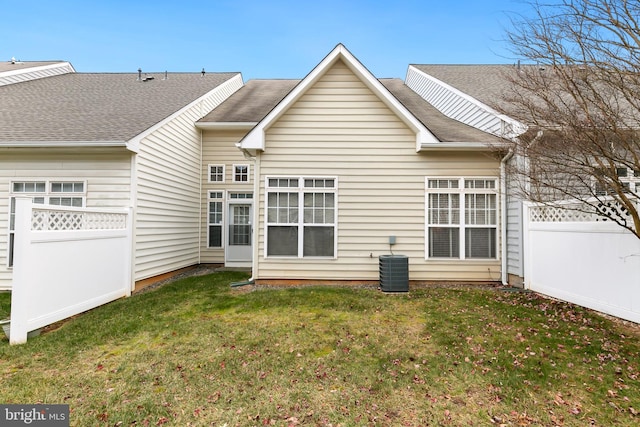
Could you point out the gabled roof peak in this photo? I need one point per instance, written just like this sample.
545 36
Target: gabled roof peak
255 139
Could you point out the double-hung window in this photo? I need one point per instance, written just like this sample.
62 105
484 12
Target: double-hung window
216 216
301 216
462 218
60 193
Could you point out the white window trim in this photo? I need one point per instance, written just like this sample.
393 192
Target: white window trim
248 173
223 200
224 170
462 226
47 194
300 189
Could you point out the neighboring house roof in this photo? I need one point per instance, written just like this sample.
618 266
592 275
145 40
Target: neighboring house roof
18 65
471 94
255 139
17 71
249 104
486 83
77 108
444 128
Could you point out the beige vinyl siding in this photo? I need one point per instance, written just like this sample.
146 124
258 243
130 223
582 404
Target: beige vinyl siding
106 172
340 128
218 148
168 173
168 188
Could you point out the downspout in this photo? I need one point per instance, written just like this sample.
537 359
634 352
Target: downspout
256 202
503 223
200 197
133 209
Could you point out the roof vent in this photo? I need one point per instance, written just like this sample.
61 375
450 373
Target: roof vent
203 72
139 74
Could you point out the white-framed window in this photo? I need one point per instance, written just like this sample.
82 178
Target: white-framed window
216 173
241 173
60 193
462 218
215 218
240 196
301 216
629 178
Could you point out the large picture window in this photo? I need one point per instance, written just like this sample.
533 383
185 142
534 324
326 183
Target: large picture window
462 218
60 193
301 217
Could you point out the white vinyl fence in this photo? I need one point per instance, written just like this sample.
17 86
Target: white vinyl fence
575 257
67 260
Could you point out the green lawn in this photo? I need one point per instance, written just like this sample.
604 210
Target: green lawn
197 353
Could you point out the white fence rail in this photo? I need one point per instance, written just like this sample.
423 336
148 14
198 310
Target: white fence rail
571 256
67 260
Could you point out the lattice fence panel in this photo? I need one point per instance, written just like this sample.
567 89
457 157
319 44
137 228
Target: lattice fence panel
50 219
560 214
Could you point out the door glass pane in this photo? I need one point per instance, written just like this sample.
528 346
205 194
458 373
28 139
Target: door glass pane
240 228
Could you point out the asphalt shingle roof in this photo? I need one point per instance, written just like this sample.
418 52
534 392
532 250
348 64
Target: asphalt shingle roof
486 83
252 102
443 127
96 107
257 98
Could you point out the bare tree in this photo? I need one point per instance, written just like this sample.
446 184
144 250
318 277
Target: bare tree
579 95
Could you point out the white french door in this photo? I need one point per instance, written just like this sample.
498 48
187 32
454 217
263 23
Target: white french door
240 233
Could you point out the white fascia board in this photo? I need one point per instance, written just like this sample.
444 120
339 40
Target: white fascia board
255 140
62 65
225 125
233 84
518 127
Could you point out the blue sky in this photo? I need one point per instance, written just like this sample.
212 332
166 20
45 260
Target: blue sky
261 39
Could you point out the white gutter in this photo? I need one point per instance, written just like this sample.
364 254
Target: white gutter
62 144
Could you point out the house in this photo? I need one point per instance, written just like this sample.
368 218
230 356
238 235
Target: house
467 93
108 140
340 164
304 181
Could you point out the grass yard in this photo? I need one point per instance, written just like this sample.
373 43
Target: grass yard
197 353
